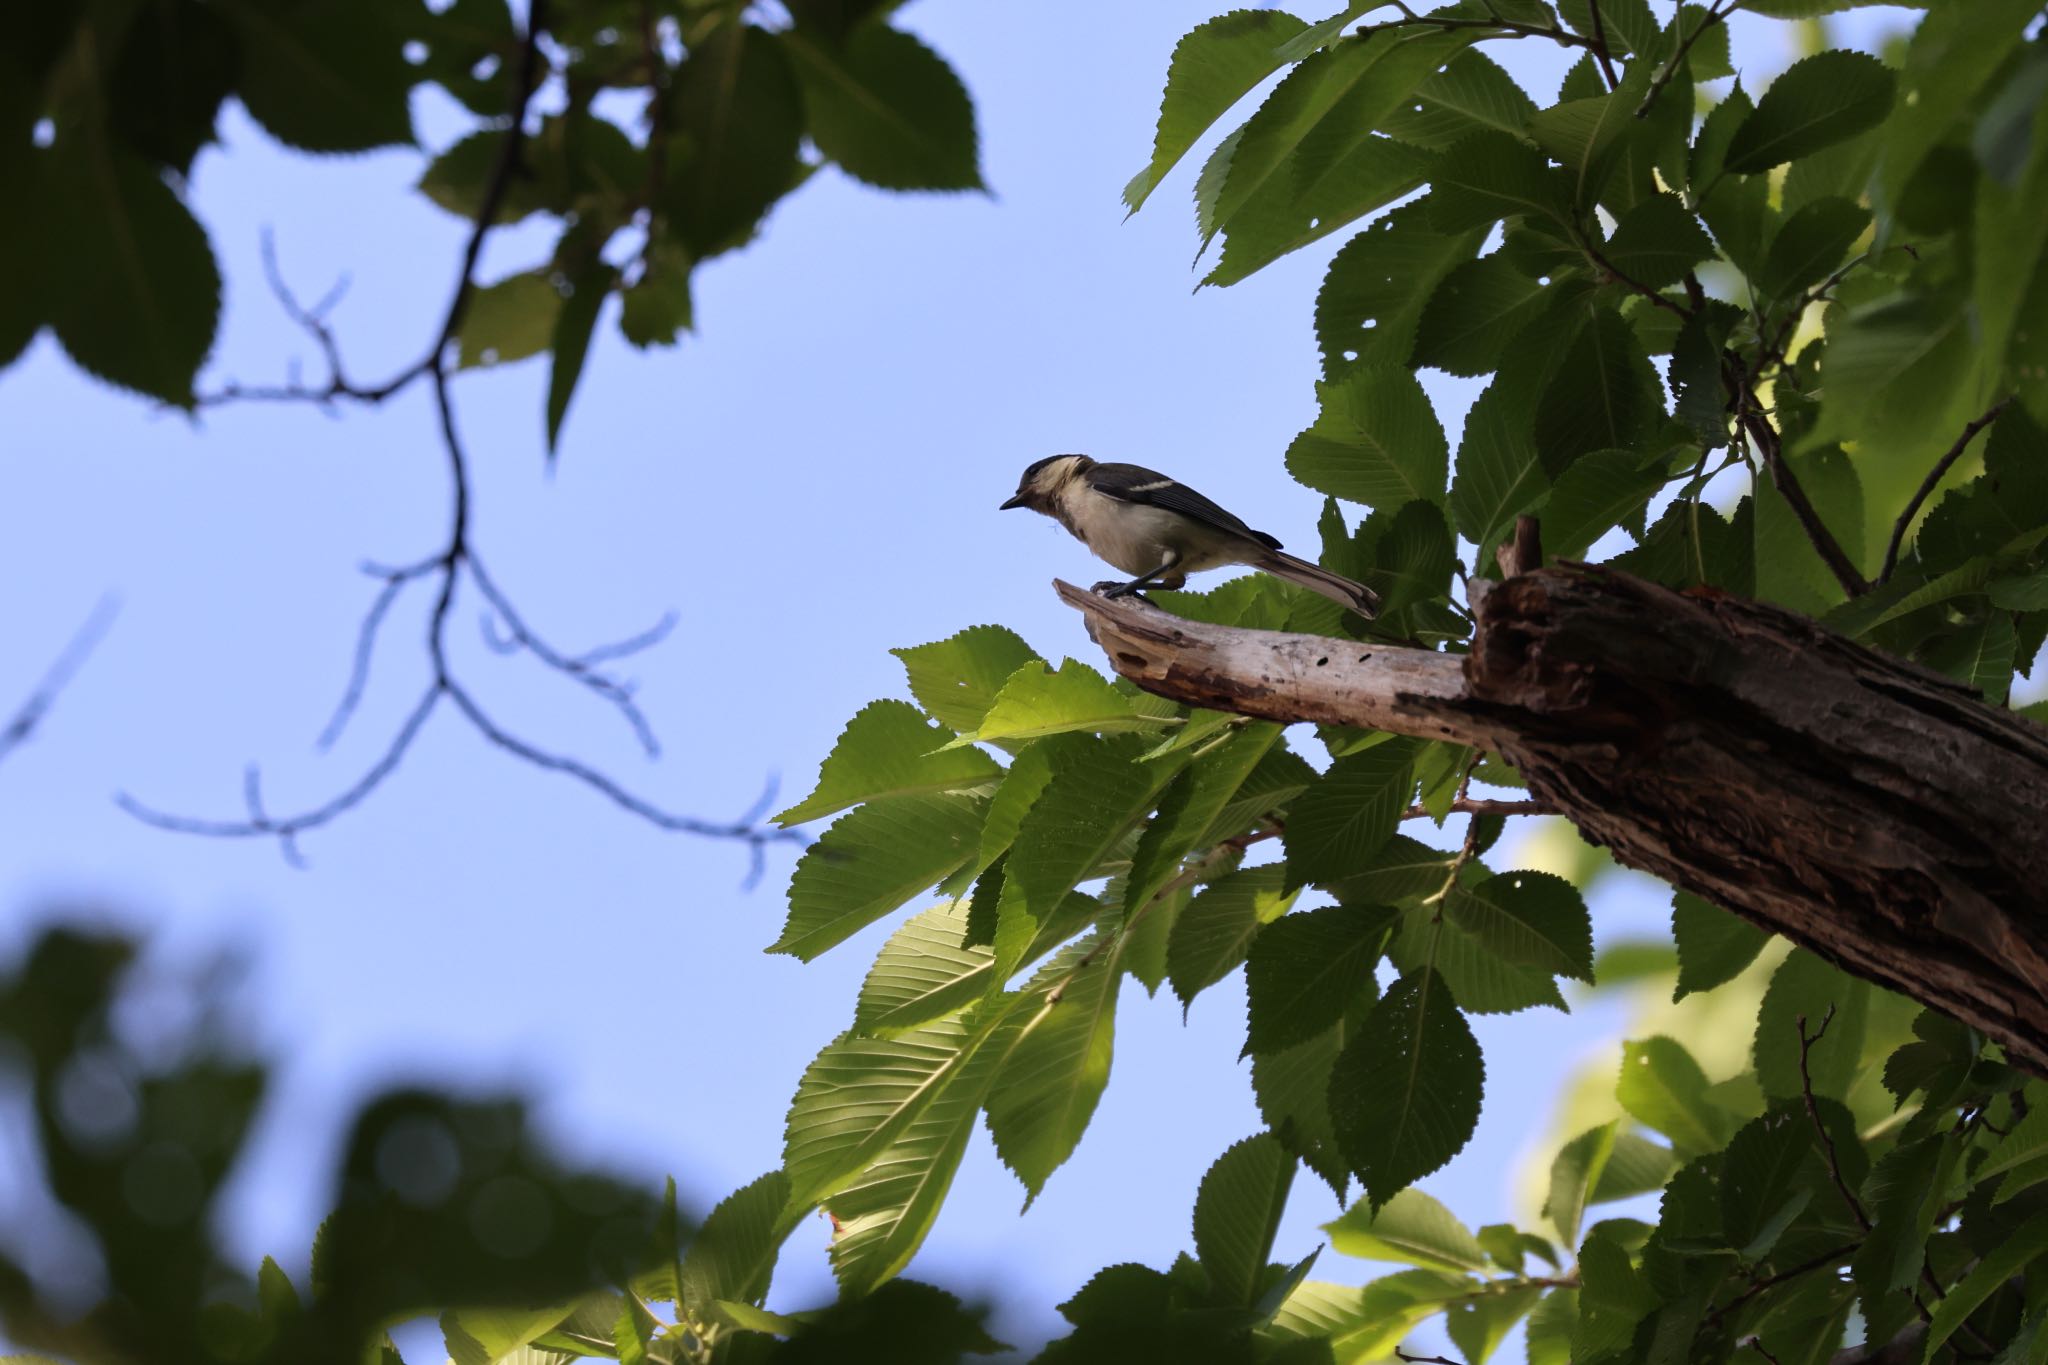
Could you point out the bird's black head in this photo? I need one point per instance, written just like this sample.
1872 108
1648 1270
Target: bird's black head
1042 478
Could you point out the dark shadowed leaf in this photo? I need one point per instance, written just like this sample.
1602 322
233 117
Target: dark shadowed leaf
1376 441
571 341
1810 244
887 108
1306 969
1374 294
738 116
1404 1096
1215 931
176 64
1340 822
325 75
1816 103
1656 242
135 293
1237 1213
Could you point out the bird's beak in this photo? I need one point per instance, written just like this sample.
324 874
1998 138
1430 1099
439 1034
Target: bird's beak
1017 501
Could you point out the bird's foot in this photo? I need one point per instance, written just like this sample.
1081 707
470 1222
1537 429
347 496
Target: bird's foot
1111 589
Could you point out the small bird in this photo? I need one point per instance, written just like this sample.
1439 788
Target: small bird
1161 530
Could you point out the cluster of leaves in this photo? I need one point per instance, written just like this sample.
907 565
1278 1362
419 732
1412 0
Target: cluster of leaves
1826 294
442 1204
104 107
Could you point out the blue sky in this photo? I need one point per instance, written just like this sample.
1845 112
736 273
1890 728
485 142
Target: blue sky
809 480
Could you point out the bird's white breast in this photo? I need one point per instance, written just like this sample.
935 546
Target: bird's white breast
1136 538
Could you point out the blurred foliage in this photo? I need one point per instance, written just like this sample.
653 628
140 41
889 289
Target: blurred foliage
672 129
142 1101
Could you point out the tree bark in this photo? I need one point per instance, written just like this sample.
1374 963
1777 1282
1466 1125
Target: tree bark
1867 808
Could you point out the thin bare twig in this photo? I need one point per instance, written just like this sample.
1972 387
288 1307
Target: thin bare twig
447 568
1764 436
1928 485
1806 1267
59 675
1480 806
1424 1360
604 685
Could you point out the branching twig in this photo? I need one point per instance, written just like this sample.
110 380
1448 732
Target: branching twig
1827 1140
1751 419
1806 1267
448 567
1714 15
1928 484
1599 49
1423 1360
1480 806
1495 28
31 712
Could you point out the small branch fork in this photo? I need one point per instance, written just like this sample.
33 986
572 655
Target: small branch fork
1494 28
456 562
1933 479
30 714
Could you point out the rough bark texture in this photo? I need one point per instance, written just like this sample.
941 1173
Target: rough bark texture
1863 806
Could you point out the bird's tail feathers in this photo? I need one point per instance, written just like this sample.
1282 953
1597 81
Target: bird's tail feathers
1318 579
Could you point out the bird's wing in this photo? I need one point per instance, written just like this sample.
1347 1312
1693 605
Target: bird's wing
1137 484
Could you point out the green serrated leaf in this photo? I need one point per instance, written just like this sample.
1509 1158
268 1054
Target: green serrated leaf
1038 701
1534 918
1601 490
733 1254
1474 312
736 119
1491 175
887 109
1574 1173
1213 66
889 749
1470 94
1304 970
1214 933
1237 1213
1411 1228
1804 985
324 76
1374 295
1810 244
956 679
1657 241
1340 822
1815 103
1713 945
1302 147
1055 1070
884 1212
872 860
1376 441
1404 1096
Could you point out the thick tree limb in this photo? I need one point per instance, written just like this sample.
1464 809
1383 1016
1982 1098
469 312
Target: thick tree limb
1865 807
